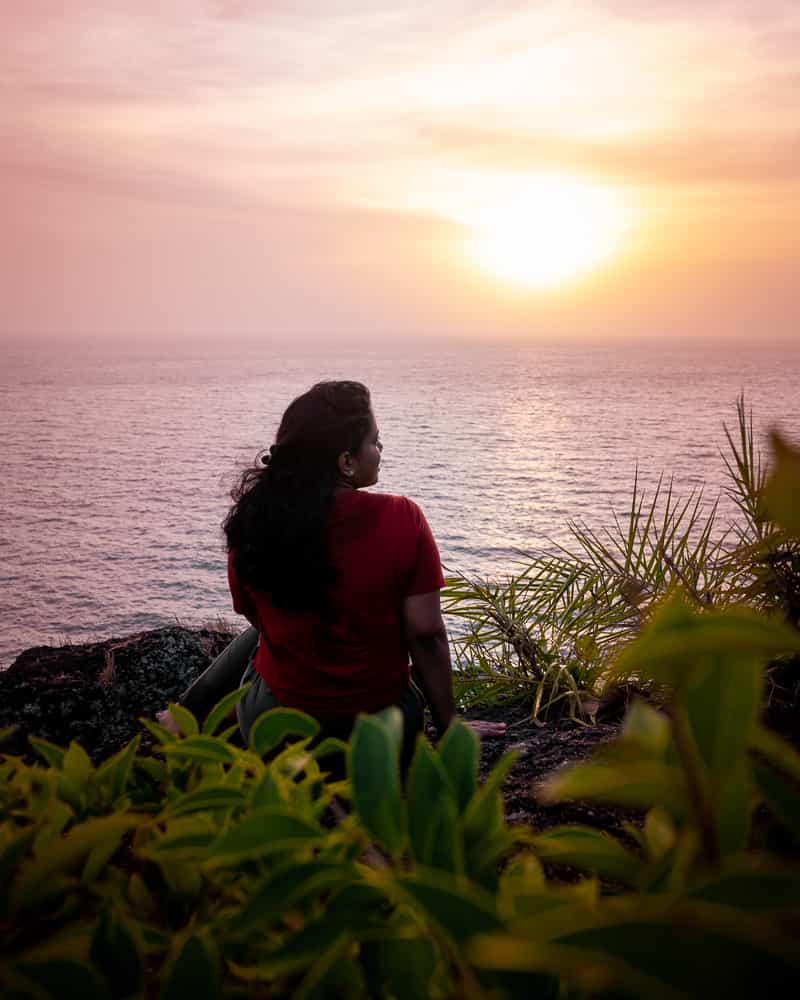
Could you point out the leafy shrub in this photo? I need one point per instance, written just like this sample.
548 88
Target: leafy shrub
206 870
547 635
707 907
209 871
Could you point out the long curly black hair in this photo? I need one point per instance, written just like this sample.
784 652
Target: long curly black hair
277 526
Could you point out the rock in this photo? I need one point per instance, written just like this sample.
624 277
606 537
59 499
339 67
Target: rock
95 692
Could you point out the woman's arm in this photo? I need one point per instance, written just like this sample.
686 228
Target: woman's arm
430 658
430 655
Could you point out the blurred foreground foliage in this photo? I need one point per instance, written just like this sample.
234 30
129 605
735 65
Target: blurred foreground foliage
547 636
210 870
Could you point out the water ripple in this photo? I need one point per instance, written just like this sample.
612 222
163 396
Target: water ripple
117 469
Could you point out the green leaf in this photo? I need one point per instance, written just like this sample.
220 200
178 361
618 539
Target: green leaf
152 768
184 719
6 732
754 891
676 639
115 953
459 752
783 486
432 829
184 879
330 745
522 873
400 967
199 749
276 726
458 908
325 977
542 969
206 798
723 702
160 733
485 814
697 960
776 750
392 718
181 842
358 905
76 770
100 855
589 850
224 735
351 911
445 844
52 823
483 858
734 803
41 877
263 831
12 851
267 792
194 971
780 795
221 710
296 954
523 892
647 728
117 769
638 784
140 897
287 888
54 755
375 778
660 835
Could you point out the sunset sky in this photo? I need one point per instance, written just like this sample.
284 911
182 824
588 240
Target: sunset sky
285 167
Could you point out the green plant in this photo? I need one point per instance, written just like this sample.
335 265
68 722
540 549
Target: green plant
207 870
507 653
696 903
547 635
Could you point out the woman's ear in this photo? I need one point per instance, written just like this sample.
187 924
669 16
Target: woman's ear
345 462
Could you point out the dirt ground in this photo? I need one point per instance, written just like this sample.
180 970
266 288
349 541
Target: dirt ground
543 749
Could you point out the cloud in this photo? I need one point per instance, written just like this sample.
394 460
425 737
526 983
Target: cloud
715 155
327 123
329 104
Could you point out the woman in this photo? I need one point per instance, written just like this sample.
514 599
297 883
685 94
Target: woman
340 586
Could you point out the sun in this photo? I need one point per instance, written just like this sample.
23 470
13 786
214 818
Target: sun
548 231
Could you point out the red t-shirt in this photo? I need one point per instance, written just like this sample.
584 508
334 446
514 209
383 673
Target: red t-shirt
384 551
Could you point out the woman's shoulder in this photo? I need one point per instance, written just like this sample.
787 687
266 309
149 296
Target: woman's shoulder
393 502
391 506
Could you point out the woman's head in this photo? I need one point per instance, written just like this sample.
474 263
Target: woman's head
326 434
277 527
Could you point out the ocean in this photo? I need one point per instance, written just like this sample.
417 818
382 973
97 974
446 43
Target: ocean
117 463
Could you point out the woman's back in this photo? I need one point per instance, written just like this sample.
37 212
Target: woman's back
355 656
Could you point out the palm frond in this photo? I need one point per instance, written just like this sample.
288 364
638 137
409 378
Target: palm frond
570 608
